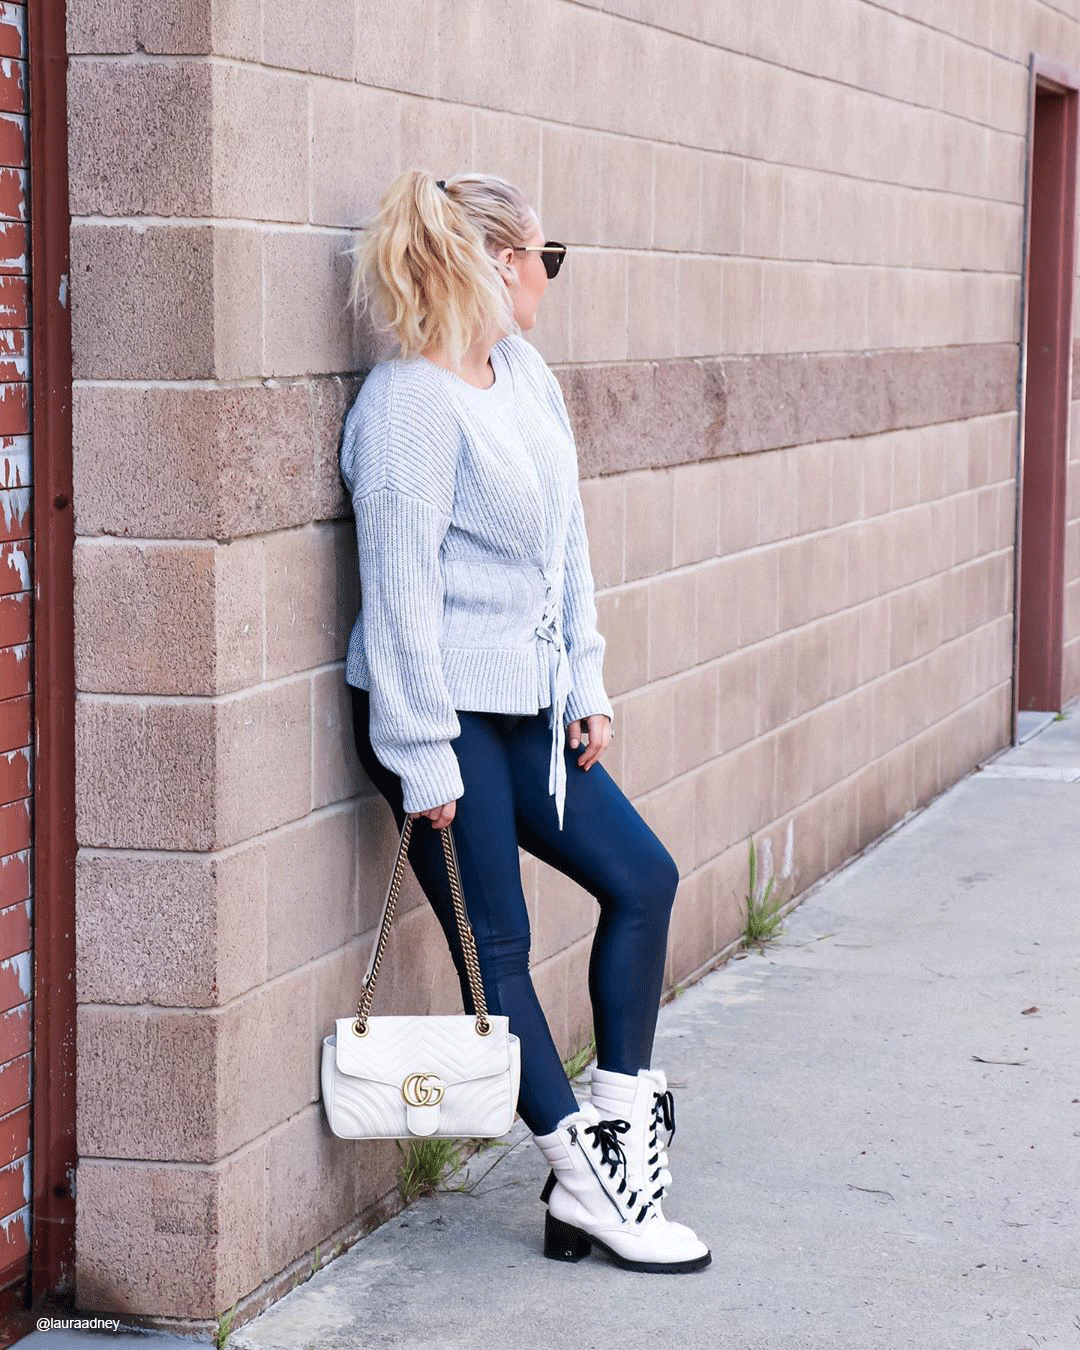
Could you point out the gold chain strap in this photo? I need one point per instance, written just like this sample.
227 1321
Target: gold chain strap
468 943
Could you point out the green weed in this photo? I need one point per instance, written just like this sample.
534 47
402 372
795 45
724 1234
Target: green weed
762 908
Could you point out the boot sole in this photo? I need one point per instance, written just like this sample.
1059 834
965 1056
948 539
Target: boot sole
564 1242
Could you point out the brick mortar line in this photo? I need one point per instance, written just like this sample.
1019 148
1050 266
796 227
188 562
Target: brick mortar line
832 699
145 58
364 938
877 760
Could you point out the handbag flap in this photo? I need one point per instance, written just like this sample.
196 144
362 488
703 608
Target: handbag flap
447 1046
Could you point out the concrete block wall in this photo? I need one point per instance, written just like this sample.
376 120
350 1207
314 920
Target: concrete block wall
787 334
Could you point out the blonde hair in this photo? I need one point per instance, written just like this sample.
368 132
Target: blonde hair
427 256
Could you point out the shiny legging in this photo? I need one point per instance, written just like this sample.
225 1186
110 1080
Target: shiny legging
604 845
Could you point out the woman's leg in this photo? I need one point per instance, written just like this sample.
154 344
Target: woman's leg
485 841
608 849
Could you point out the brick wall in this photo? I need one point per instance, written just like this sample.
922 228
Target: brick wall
787 332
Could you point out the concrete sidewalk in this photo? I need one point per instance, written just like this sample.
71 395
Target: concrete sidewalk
878 1127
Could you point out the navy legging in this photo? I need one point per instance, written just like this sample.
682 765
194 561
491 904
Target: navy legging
604 845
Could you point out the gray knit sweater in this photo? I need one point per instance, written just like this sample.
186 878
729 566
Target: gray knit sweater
476 587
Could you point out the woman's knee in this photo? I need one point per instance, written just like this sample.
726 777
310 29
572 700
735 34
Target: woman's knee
649 883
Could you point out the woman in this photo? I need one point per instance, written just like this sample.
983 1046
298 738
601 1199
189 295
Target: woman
475 669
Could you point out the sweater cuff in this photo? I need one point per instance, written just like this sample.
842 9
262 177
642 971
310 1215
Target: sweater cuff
433 777
587 697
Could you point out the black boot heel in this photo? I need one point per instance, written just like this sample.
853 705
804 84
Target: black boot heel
563 1242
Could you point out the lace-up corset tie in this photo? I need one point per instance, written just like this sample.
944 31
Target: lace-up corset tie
550 629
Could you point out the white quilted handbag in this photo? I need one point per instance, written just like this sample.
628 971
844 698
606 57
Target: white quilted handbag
402 1077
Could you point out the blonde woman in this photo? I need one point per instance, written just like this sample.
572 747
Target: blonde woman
475 669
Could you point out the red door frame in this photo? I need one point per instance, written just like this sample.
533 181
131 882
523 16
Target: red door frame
1045 366
54 1157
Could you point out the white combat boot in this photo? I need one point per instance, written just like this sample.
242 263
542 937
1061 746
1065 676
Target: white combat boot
590 1201
645 1101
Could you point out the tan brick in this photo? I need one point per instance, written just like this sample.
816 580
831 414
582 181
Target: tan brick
564 913
777 504
723 199
717 607
166 619
743 316
172 929
776 681
604 504
226 447
139 25
255 106
162 1064
397 47
652 318
142 773
263 759
647 723
796 746
845 471
677 201
360 127
597 281
812 666
330 400
510 146
623 618
691 938
797 585
758 581
150 124
316 1183
763 209
876 453
312 888
550 982
311 601
841 824
648 523
738 703
701 303
167 327
696 511
169 1240
673 623
336 771
844 630
306 325
318 39
695 728
740 480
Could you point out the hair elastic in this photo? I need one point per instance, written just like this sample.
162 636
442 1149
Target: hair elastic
441 183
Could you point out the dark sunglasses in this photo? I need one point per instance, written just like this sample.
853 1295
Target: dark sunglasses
551 253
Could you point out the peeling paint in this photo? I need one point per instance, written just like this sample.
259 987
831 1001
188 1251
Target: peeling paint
20 963
21 1219
19 563
15 506
15 462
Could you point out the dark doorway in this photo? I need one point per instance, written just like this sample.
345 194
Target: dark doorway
1046 388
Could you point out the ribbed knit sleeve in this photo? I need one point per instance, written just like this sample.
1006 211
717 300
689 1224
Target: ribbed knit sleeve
584 643
399 462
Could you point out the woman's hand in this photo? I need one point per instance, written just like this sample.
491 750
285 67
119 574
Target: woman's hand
599 729
440 816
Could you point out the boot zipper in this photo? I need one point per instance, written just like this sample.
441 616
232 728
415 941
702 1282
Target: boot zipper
574 1139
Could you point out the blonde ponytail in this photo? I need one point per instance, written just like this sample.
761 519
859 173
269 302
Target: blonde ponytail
427 259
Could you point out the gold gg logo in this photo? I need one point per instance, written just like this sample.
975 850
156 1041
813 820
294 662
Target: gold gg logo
418 1092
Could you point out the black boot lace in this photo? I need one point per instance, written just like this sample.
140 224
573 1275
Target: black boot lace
663 1110
613 1155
